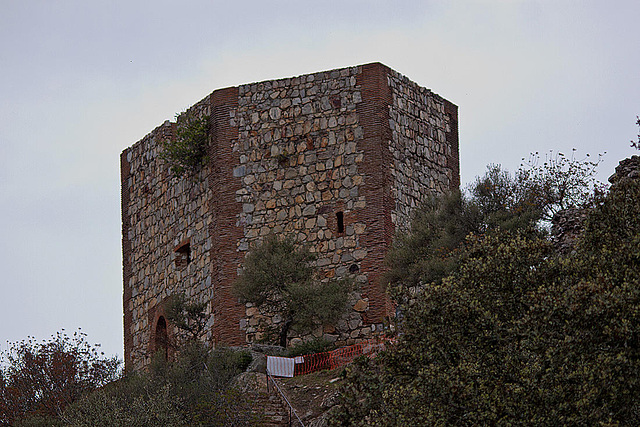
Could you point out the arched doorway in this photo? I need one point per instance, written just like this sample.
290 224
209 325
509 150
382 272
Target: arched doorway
162 338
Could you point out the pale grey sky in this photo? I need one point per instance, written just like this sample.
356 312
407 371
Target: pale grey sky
82 80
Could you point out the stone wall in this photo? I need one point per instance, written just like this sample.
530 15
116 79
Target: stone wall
424 160
338 159
299 160
566 227
165 214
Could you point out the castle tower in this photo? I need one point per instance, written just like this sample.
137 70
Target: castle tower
338 158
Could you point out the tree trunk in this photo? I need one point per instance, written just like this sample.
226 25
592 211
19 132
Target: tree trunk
284 332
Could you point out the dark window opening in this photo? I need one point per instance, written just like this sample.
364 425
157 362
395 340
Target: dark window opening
340 218
183 254
162 338
353 268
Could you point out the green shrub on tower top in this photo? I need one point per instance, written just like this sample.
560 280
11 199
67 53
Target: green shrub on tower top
187 152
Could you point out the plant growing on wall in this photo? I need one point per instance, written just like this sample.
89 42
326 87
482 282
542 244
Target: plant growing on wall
187 152
278 277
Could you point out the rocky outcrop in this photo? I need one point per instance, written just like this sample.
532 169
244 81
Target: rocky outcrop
568 224
626 169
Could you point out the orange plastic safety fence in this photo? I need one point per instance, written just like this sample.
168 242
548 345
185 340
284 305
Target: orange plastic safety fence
313 362
336 358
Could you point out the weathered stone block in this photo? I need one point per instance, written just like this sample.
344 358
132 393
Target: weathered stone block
361 305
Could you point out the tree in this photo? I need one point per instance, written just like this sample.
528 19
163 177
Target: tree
525 201
279 277
428 252
518 334
189 317
560 182
42 378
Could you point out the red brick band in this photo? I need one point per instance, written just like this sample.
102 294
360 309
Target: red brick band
224 209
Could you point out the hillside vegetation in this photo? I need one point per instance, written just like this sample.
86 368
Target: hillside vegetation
504 324
518 302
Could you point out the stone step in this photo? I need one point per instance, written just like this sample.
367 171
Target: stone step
266 404
270 409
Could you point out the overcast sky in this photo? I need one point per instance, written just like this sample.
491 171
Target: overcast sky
82 80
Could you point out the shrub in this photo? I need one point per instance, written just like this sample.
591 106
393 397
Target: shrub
194 389
316 345
187 152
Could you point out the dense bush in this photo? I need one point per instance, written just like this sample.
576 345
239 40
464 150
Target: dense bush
518 334
524 201
194 389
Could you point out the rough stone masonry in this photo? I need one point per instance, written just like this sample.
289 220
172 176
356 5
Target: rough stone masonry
337 158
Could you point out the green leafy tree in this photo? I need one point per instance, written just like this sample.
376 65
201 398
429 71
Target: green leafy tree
506 201
40 379
429 251
518 334
279 277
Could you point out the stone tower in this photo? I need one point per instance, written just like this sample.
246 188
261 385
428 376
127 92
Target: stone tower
338 158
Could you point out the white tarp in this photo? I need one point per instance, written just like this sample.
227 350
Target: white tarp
280 366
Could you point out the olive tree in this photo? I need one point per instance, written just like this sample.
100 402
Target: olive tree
280 277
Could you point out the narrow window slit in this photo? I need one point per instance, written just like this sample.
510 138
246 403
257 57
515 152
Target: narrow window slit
340 220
